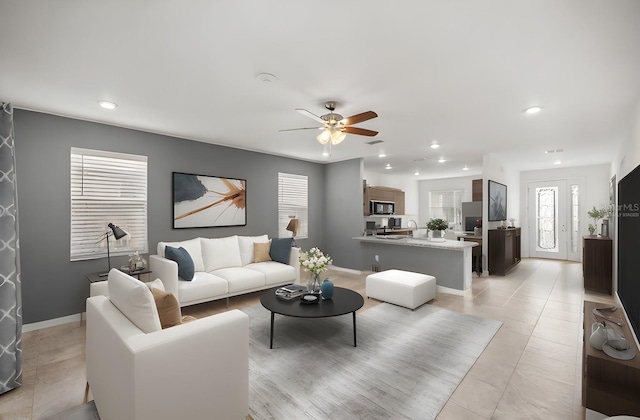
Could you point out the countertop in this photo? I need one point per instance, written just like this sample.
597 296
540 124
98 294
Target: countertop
417 242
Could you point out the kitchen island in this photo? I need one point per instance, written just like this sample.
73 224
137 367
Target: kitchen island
448 261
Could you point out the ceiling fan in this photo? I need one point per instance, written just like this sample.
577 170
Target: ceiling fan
335 126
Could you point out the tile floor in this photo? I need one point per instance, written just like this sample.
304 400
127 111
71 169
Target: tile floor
531 368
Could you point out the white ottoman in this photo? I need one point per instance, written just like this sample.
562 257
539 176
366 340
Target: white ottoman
402 288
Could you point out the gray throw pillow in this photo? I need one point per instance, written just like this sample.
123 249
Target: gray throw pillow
180 255
281 249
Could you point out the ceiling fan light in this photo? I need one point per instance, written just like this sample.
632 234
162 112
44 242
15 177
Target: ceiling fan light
337 137
324 137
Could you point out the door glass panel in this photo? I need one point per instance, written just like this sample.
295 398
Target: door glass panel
575 219
546 200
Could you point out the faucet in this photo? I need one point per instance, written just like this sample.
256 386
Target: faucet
411 224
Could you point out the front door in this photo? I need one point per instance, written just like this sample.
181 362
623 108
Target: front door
547 212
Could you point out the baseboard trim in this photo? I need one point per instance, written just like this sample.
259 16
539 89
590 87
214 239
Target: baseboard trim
52 322
346 270
448 290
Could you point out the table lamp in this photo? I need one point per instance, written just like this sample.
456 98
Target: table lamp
293 228
117 233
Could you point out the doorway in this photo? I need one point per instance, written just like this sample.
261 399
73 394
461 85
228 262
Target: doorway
550 207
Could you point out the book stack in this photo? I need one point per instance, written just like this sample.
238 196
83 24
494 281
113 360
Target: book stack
291 291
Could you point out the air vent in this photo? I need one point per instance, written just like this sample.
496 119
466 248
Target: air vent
372 142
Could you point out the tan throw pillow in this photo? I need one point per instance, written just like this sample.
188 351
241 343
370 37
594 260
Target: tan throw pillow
261 251
168 308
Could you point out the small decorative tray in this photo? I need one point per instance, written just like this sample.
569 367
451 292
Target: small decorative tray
309 299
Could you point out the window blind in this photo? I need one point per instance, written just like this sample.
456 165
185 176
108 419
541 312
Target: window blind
107 187
292 203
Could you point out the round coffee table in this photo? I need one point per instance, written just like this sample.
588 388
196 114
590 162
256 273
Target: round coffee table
343 302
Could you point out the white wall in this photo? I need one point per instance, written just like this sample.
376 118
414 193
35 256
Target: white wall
629 154
594 191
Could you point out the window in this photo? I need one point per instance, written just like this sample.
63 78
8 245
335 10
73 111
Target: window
575 219
107 187
292 203
446 205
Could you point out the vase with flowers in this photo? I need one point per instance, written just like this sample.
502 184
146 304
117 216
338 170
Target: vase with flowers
315 262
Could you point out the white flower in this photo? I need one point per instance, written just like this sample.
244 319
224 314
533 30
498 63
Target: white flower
314 261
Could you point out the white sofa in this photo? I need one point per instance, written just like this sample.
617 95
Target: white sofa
224 267
196 370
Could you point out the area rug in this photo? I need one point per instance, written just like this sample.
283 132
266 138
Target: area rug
406 364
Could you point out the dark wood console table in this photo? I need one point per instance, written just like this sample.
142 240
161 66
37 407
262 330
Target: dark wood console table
597 264
504 250
609 386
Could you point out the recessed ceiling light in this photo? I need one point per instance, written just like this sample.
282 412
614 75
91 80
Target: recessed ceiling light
107 105
441 160
435 145
381 155
466 168
533 110
557 162
325 154
416 173
388 166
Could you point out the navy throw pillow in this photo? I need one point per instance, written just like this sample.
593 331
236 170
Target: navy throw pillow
180 255
281 249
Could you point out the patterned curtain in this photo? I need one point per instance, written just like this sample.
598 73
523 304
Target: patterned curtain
10 292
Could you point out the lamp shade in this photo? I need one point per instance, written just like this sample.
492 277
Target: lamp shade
337 137
117 232
325 136
293 227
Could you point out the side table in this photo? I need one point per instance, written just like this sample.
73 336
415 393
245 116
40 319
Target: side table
98 281
102 276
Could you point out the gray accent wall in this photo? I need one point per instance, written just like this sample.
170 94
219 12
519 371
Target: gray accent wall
54 287
343 212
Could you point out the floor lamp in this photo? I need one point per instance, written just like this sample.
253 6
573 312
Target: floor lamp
117 233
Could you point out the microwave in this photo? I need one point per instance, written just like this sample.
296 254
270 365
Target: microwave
382 207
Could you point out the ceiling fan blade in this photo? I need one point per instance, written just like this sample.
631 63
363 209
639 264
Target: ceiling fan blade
358 118
360 131
310 115
304 128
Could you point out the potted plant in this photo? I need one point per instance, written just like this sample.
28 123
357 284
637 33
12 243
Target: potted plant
435 225
597 214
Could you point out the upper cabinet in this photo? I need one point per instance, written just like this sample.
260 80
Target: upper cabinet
393 195
476 190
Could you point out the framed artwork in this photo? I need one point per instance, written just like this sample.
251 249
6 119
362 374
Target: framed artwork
208 201
497 201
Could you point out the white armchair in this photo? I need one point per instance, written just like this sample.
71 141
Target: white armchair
197 370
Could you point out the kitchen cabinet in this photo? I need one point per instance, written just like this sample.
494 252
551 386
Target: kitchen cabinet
476 190
504 250
393 195
597 265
